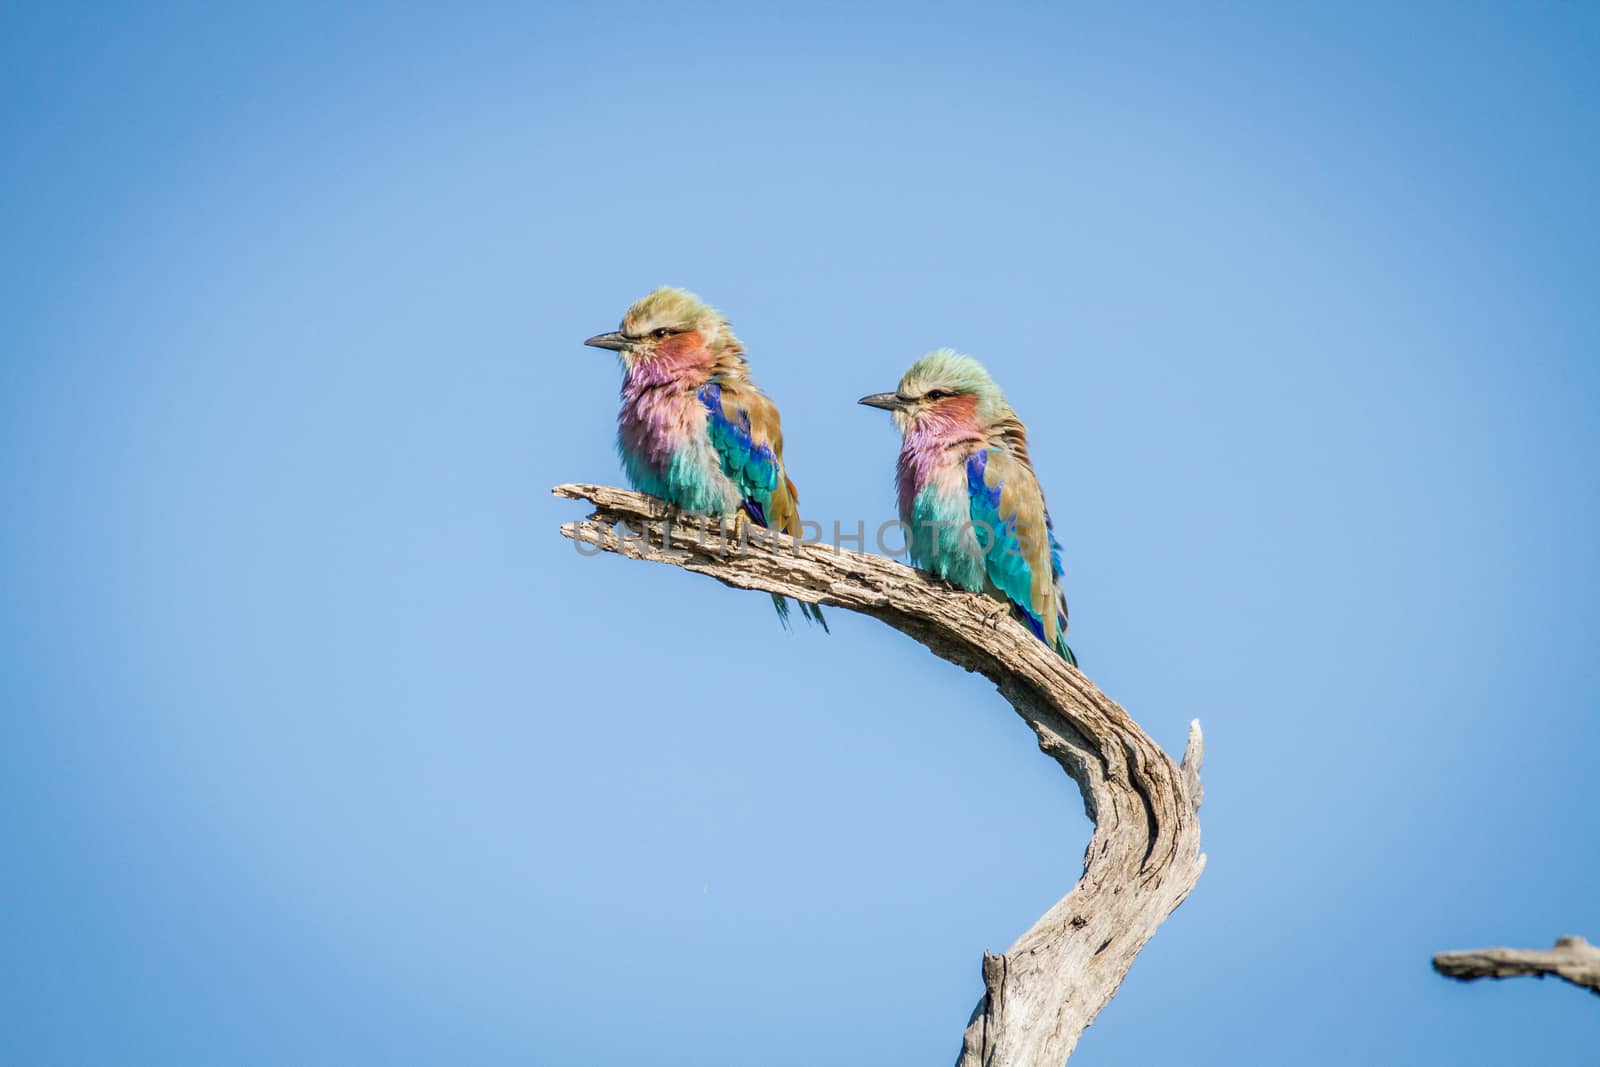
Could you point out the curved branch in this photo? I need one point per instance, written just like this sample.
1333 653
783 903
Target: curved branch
1144 857
1572 958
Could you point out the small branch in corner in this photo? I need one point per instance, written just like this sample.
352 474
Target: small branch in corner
1572 959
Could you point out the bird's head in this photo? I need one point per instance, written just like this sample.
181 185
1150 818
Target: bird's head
944 389
668 322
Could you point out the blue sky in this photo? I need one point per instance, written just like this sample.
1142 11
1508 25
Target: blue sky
322 747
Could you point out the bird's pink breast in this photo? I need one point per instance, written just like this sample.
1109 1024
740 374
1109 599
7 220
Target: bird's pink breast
931 449
660 408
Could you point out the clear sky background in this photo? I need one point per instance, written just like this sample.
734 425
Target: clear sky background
320 746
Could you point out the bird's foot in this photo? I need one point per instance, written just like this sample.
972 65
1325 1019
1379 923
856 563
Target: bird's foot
736 536
992 619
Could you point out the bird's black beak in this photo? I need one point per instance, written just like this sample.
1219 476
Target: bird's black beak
886 401
614 341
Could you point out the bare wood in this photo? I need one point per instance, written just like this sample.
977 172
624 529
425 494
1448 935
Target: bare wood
1144 857
1572 958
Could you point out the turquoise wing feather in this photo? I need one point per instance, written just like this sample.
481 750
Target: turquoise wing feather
1021 555
744 430
747 458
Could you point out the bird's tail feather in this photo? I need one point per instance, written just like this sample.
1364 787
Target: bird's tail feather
784 514
1066 651
813 613
810 612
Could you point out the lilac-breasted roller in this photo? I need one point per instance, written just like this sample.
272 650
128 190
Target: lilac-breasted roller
968 495
693 429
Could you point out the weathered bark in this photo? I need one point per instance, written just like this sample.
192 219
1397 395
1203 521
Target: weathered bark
1572 958
1143 858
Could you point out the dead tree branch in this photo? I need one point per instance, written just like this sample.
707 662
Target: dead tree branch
1572 958
1144 857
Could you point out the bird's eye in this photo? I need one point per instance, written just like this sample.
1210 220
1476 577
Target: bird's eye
660 333
937 394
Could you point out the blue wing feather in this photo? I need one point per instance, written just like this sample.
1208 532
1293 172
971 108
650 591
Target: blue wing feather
1005 561
755 468
752 465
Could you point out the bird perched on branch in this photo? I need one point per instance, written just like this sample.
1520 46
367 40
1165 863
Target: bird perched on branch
968 495
694 430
